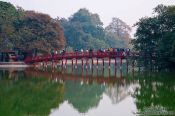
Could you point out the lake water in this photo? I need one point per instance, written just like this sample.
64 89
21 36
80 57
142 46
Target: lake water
87 92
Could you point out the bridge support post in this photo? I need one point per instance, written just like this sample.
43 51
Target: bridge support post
86 63
72 63
120 63
82 72
97 72
92 71
46 64
115 67
103 71
103 63
97 63
120 73
56 63
43 65
109 71
34 65
52 63
82 63
115 63
62 63
127 65
86 72
72 69
109 65
76 63
66 63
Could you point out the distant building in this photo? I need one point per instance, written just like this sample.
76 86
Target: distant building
7 56
14 55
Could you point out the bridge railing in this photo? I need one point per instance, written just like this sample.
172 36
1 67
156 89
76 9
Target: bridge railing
77 55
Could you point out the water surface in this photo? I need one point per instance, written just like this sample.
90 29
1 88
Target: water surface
87 92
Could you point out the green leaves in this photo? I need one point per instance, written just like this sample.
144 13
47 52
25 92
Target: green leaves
83 30
28 29
155 35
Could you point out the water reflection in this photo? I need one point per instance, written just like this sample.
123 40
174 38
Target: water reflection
156 91
68 91
23 95
87 87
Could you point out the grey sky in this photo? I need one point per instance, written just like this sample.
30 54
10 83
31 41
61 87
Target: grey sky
128 10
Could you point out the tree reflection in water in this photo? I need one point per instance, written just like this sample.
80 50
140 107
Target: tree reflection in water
37 92
83 96
23 95
156 91
84 91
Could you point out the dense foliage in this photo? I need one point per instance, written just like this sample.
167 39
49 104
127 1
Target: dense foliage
8 15
155 37
28 29
156 91
120 32
85 30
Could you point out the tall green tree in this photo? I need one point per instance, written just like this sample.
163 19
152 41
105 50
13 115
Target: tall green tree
119 32
85 30
8 15
154 37
38 30
28 29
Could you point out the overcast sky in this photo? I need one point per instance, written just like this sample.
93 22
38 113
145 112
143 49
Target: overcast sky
129 11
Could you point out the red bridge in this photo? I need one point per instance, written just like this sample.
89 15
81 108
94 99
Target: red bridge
54 58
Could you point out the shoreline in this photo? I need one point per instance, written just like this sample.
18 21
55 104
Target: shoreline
13 65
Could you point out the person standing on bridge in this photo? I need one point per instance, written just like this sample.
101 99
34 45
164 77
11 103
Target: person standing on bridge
90 52
128 51
56 52
52 53
82 50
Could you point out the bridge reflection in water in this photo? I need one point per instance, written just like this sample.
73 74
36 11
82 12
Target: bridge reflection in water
78 92
88 85
84 77
121 85
81 84
89 69
118 77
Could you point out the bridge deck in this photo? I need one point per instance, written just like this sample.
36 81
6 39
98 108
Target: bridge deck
77 55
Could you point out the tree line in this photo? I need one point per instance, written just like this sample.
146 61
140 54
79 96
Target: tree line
82 30
28 30
155 38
